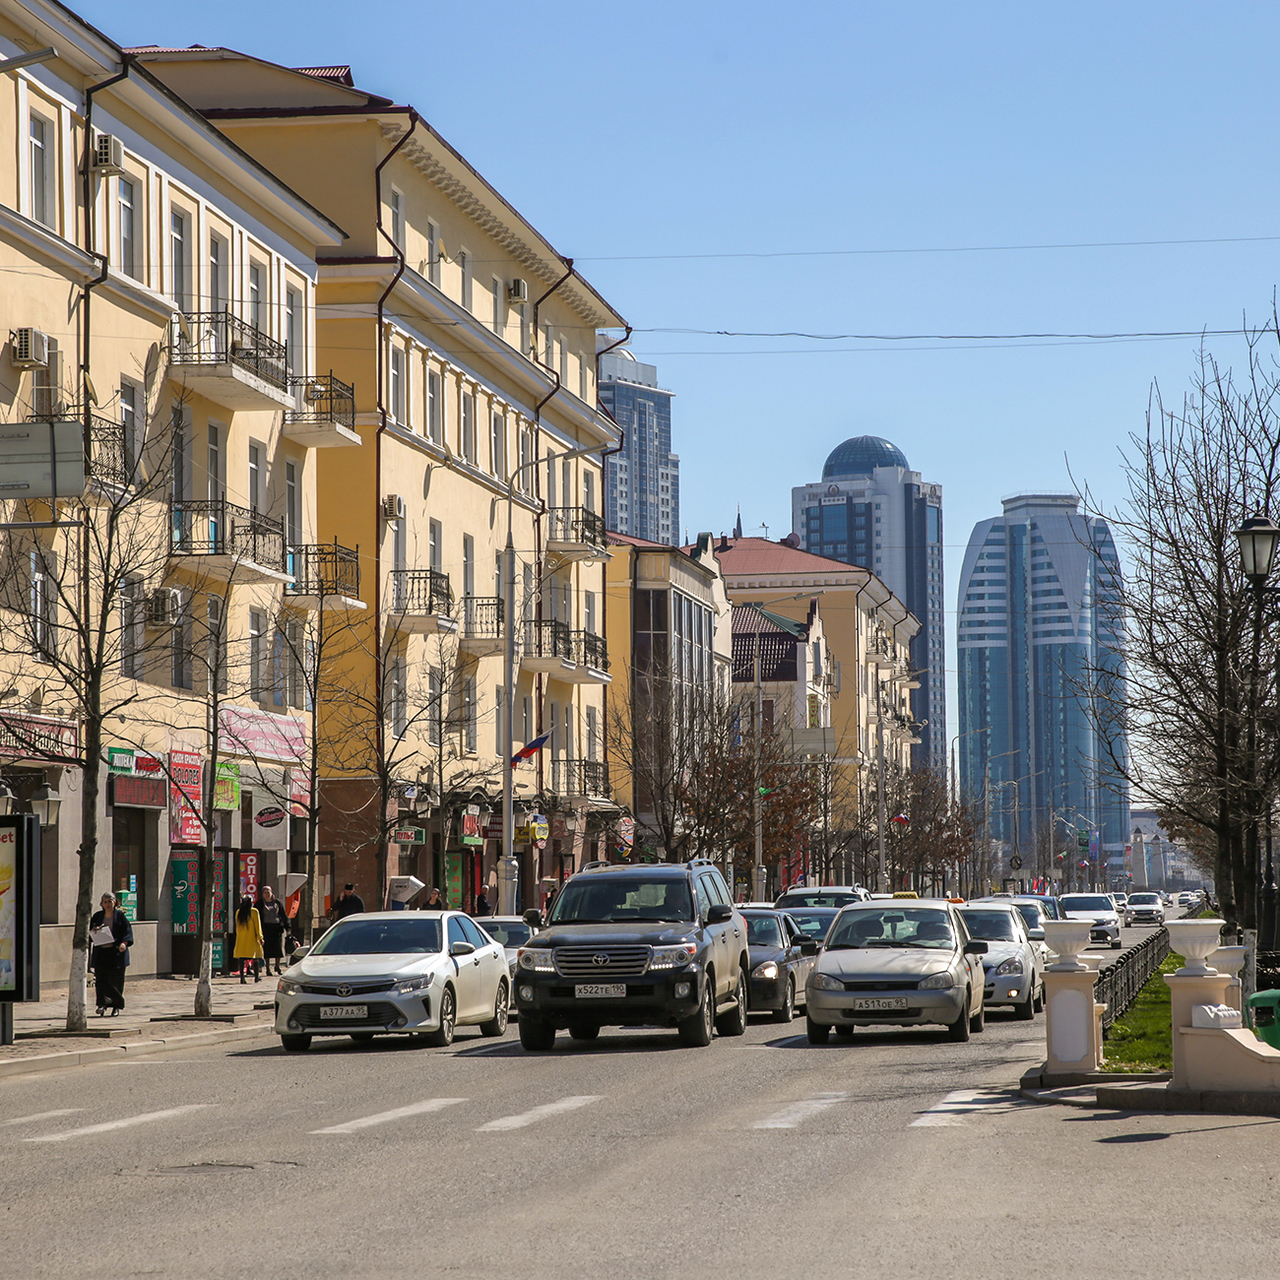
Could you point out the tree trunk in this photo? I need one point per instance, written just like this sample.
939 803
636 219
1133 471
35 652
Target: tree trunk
91 780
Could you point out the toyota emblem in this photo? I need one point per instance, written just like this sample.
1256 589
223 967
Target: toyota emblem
344 990
600 960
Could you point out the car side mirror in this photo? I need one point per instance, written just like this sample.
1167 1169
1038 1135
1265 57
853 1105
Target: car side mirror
808 947
1036 935
975 948
719 912
299 953
461 949
533 918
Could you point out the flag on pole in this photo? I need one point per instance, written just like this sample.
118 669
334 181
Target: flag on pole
901 819
766 791
530 749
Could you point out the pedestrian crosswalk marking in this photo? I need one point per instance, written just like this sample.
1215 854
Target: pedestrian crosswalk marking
538 1113
385 1117
798 1112
42 1115
146 1118
953 1109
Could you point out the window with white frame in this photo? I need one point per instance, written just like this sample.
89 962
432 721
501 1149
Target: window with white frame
42 194
464 265
127 226
433 253
257 653
257 295
397 384
526 457
293 330
215 462
293 505
133 614
499 306
435 547
131 422
470 715
588 489
180 258
216 645
43 604
397 218
435 407
498 444
398 699
589 611
524 329
469 427
219 264
180 649
468 565
593 733
435 707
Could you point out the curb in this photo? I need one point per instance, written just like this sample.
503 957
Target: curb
88 1057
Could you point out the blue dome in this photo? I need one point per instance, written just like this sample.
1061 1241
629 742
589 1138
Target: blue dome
861 456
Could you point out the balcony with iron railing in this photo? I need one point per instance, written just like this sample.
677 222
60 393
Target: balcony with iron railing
108 457
592 656
421 601
229 360
482 630
227 542
324 412
548 647
575 532
580 779
325 576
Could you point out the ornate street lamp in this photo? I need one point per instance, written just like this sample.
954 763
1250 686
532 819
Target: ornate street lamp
6 801
1258 537
45 803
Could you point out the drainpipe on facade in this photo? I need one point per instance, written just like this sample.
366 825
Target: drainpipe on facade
380 683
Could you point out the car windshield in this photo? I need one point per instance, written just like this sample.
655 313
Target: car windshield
1050 908
1087 902
890 928
1030 913
508 933
763 931
815 923
601 900
815 898
1143 900
990 926
359 936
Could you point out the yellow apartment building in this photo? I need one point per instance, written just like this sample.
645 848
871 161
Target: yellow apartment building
471 346
159 327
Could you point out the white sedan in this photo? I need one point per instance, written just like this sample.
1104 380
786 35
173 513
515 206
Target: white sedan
416 972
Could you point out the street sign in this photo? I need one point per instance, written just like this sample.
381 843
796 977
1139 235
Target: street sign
1016 862
408 835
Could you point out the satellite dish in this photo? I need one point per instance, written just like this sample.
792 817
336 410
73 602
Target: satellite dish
791 540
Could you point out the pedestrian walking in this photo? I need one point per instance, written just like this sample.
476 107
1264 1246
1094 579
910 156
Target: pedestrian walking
434 901
111 935
482 903
248 938
275 924
348 903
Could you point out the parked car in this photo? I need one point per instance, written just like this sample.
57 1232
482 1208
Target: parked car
1099 910
1122 907
656 944
1146 908
781 957
903 964
1052 910
1013 966
814 921
380 972
510 933
1034 914
831 895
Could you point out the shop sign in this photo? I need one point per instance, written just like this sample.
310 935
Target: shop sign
247 874
493 829
19 908
139 793
471 831
299 792
39 738
453 880
226 785
249 732
559 827
125 762
186 779
626 831
537 828
270 822
408 835
186 896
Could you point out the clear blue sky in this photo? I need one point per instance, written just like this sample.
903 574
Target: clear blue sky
662 129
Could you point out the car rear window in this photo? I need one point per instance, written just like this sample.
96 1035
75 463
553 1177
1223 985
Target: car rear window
814 924
1087 902
815 898
989 926
508 933
763 931
362 937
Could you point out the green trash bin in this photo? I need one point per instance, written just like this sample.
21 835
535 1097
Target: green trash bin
1266 1016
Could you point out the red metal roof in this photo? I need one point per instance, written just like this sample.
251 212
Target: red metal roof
760 555
342 75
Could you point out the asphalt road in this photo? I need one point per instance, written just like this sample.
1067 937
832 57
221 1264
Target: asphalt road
898 1154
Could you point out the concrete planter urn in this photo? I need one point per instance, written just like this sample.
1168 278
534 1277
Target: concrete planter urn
1196 940
1068 938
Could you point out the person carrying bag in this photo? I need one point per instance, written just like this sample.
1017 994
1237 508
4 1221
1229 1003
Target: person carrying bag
111 936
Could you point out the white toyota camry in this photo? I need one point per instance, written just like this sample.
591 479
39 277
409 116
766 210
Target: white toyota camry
417 972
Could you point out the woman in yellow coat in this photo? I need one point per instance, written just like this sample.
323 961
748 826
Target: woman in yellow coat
248 938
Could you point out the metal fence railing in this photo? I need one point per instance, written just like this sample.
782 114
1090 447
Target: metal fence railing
1118 986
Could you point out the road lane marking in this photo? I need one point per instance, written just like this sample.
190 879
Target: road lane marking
385 1117
798 1112
42 1115
953 1109
146 1118
538 1113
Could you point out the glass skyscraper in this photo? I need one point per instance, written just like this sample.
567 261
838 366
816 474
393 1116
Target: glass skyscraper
871 509
1039 623
642 481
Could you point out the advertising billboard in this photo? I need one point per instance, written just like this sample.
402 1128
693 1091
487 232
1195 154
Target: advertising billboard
19 908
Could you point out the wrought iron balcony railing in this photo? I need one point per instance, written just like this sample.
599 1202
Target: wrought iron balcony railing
216 527
575 524
580 778
420 592
322 399
218 337
590 650
109 460
547 638
324 570
481 618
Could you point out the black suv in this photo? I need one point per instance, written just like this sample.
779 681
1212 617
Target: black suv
631 946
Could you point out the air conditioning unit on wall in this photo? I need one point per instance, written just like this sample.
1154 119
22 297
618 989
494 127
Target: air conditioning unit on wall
518 291
393 507
164 607
30 349
108 155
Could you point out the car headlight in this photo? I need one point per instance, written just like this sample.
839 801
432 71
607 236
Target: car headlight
673 957
1010 967
825 982
537 959
288 988
938 981
412 984
768 970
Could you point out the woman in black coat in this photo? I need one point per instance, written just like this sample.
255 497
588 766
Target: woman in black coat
109 960
275 924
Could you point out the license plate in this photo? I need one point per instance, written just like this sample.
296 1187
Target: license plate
880 1002
600 990
338 1012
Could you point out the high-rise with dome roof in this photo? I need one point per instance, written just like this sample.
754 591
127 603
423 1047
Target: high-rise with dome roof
871 509
642 480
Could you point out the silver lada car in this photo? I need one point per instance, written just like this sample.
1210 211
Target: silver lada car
417 972
900 964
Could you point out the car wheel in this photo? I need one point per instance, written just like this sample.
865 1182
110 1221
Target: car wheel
362 1037
696 1029
1116 945
788 1010
1027 1009
1039 1001
816 1031
536 1035
295 1044
734 1023
979 1019
442 1037
497 1025
959 1029
584 1031
844 1031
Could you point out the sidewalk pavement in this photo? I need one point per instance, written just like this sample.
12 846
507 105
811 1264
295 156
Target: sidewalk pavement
156 1017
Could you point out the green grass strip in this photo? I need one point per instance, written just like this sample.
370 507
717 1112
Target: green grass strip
1142 1040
